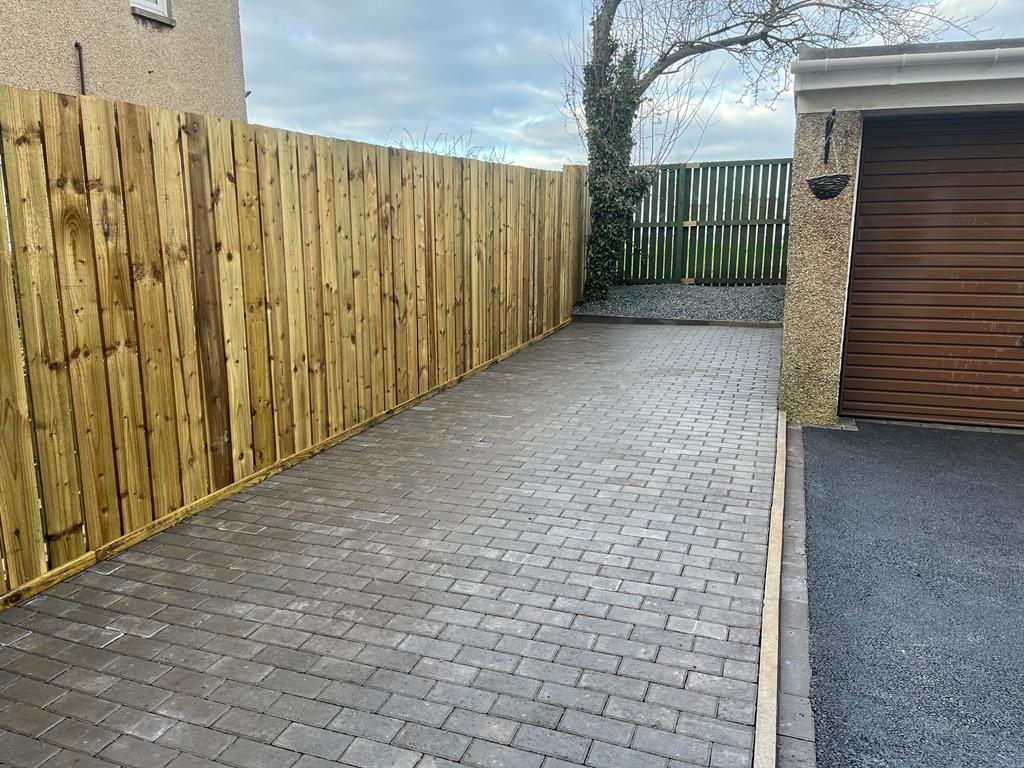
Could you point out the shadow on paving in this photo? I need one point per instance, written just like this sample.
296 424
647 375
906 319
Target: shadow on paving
915 548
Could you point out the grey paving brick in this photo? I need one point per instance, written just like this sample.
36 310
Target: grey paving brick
597 727
611 756
253 725
82 706
677 747
641 713
27 720
247 695
461 696
553 743
137 753
135 722
191 709
527 711
432 741
484 754
487 727
67 758
367 725
572 698
24 751
244 753
203 742
79 736
299 710
363 753
313 741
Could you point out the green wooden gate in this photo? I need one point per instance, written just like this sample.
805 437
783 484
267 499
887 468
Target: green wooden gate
712 224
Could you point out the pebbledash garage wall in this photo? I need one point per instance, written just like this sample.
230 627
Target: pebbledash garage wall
861 83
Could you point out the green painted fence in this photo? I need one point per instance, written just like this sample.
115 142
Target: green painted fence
712 224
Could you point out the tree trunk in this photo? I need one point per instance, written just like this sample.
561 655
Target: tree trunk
611 98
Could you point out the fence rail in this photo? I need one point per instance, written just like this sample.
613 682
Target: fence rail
712 223
188 303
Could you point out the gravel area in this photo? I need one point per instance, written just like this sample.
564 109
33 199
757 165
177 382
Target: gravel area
691 302
915 555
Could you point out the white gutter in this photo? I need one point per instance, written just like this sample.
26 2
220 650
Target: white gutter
992 56
942 79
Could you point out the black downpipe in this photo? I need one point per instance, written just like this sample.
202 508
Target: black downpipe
81 66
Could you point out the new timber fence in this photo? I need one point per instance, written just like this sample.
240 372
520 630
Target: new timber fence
713 224
188 304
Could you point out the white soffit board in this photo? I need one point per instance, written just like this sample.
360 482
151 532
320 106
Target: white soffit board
949 79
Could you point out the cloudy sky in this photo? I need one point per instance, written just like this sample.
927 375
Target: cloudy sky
380 70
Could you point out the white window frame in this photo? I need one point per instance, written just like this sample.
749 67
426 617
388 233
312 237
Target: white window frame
157 10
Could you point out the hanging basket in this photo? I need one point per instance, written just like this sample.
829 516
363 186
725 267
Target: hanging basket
828 186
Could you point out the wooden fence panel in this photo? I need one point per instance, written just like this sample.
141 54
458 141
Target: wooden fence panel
40 311
711 223
188 304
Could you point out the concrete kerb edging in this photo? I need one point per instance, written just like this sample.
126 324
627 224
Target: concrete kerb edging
766 723
624 320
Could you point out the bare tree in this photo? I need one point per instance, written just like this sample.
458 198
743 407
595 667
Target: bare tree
461 145
634 84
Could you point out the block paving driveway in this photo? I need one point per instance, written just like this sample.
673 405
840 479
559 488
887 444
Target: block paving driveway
557 563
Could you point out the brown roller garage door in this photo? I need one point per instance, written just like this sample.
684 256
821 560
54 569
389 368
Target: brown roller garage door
935 327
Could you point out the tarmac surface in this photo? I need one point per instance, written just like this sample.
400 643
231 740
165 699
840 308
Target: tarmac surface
915 548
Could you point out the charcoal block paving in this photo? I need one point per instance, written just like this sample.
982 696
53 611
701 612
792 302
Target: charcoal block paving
559 562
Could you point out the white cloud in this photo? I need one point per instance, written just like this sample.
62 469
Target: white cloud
376 69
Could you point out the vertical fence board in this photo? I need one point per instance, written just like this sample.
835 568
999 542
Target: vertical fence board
439 272
254 288
228 247
311 259
346 286
117 311
331 293
209 311
269 174
410 366
40 311
166 130
464 258
76 271
385 214
399 286
420 197
359 276
151 311
371 208
295 282
21 526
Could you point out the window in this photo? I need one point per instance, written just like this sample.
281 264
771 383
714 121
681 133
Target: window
158 10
